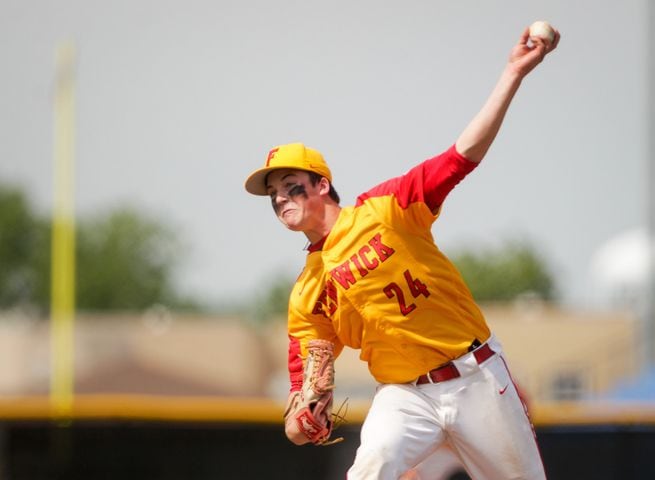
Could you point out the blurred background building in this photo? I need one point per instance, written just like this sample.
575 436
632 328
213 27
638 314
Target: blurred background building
555 354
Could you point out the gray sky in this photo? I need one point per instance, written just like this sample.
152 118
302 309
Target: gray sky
177 101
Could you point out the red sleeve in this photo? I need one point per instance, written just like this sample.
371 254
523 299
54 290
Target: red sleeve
295 364
429 182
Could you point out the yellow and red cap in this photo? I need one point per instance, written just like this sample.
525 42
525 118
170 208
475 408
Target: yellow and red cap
292 155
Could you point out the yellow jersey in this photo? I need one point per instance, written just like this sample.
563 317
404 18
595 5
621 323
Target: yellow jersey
378 282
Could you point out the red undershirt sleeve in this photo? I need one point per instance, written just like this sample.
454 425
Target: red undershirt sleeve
429 182
295 364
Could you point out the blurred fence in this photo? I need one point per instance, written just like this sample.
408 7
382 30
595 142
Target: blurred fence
137 437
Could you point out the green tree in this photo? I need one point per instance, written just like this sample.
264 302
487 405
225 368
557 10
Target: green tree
125 261
20 240
274 300
505 273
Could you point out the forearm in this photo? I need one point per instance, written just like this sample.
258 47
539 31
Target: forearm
474 142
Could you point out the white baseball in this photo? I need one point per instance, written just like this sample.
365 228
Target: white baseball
542 30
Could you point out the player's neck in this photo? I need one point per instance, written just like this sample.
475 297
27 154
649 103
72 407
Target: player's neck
325 223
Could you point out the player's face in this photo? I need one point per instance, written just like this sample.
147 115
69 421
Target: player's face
295 200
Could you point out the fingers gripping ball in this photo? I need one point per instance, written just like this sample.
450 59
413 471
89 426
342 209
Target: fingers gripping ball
542 30
308 416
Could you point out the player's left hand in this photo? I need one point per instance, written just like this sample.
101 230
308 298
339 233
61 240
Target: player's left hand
530 52
308 416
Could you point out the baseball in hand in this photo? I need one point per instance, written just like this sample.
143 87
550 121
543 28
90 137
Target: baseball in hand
543 30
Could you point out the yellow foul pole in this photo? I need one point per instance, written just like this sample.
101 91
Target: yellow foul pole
62 307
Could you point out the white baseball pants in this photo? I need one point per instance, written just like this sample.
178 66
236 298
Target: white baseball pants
479 414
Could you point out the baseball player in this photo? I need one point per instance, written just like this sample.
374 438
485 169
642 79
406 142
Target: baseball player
374 280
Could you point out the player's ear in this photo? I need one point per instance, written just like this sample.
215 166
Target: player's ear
324 186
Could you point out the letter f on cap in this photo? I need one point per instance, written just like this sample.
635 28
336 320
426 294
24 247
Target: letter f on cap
271 154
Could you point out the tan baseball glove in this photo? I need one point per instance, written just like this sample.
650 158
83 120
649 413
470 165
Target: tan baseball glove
308 415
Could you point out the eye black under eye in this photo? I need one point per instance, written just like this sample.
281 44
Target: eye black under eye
297 189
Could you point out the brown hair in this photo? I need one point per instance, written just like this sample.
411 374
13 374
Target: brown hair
315 178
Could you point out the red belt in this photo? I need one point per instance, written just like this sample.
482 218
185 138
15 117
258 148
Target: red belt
449 371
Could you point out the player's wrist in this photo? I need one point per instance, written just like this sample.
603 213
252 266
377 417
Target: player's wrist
512 74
